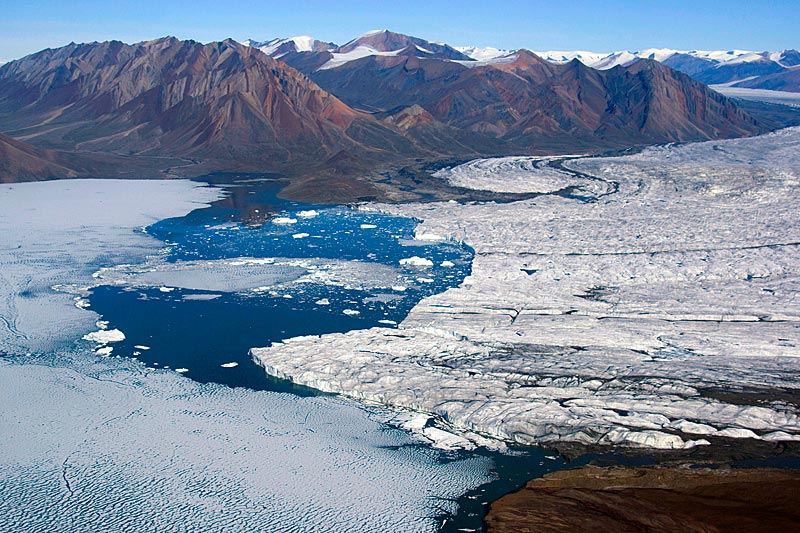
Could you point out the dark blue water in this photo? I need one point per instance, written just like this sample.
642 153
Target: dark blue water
202 335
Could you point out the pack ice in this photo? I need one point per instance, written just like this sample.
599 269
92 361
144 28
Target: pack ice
615 318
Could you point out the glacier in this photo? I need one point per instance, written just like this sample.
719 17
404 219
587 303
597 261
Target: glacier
608 320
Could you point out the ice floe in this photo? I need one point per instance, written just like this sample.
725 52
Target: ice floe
245 274
105 336
416 261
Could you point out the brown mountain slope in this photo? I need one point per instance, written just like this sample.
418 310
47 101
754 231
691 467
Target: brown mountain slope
222 101
529 101
788 80
387 41
22 162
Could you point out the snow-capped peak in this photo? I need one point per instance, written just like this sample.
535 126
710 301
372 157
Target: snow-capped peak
371 32
483 54
303 43
278 47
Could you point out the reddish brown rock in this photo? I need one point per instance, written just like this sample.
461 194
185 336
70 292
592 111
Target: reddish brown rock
652 499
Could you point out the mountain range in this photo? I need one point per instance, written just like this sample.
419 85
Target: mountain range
331 118
739 68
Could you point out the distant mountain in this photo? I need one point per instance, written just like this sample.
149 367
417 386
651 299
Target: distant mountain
525 100
387 41
786 80
279 47
710 67
331 116
487 53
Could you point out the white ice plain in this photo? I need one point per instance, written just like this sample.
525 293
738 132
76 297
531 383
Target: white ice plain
110 443
607 322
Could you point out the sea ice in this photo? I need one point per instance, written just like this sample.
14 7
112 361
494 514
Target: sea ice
105 336
416 261
78 429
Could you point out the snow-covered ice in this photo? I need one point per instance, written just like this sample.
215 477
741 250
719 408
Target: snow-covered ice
610 321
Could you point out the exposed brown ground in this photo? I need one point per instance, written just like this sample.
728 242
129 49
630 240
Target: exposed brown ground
621 499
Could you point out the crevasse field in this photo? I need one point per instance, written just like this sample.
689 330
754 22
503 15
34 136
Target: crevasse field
96 443
616 318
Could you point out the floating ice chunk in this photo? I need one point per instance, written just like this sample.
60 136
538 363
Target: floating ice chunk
201 297
416 261
102 324
229 365
368 226
412 421
425 280
166 289
81 303
389 322
351 312
300 235
105 350
284 221
447 264
399 288
428 237
323 301
104 336
181 370
446 440
141 347
311 213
